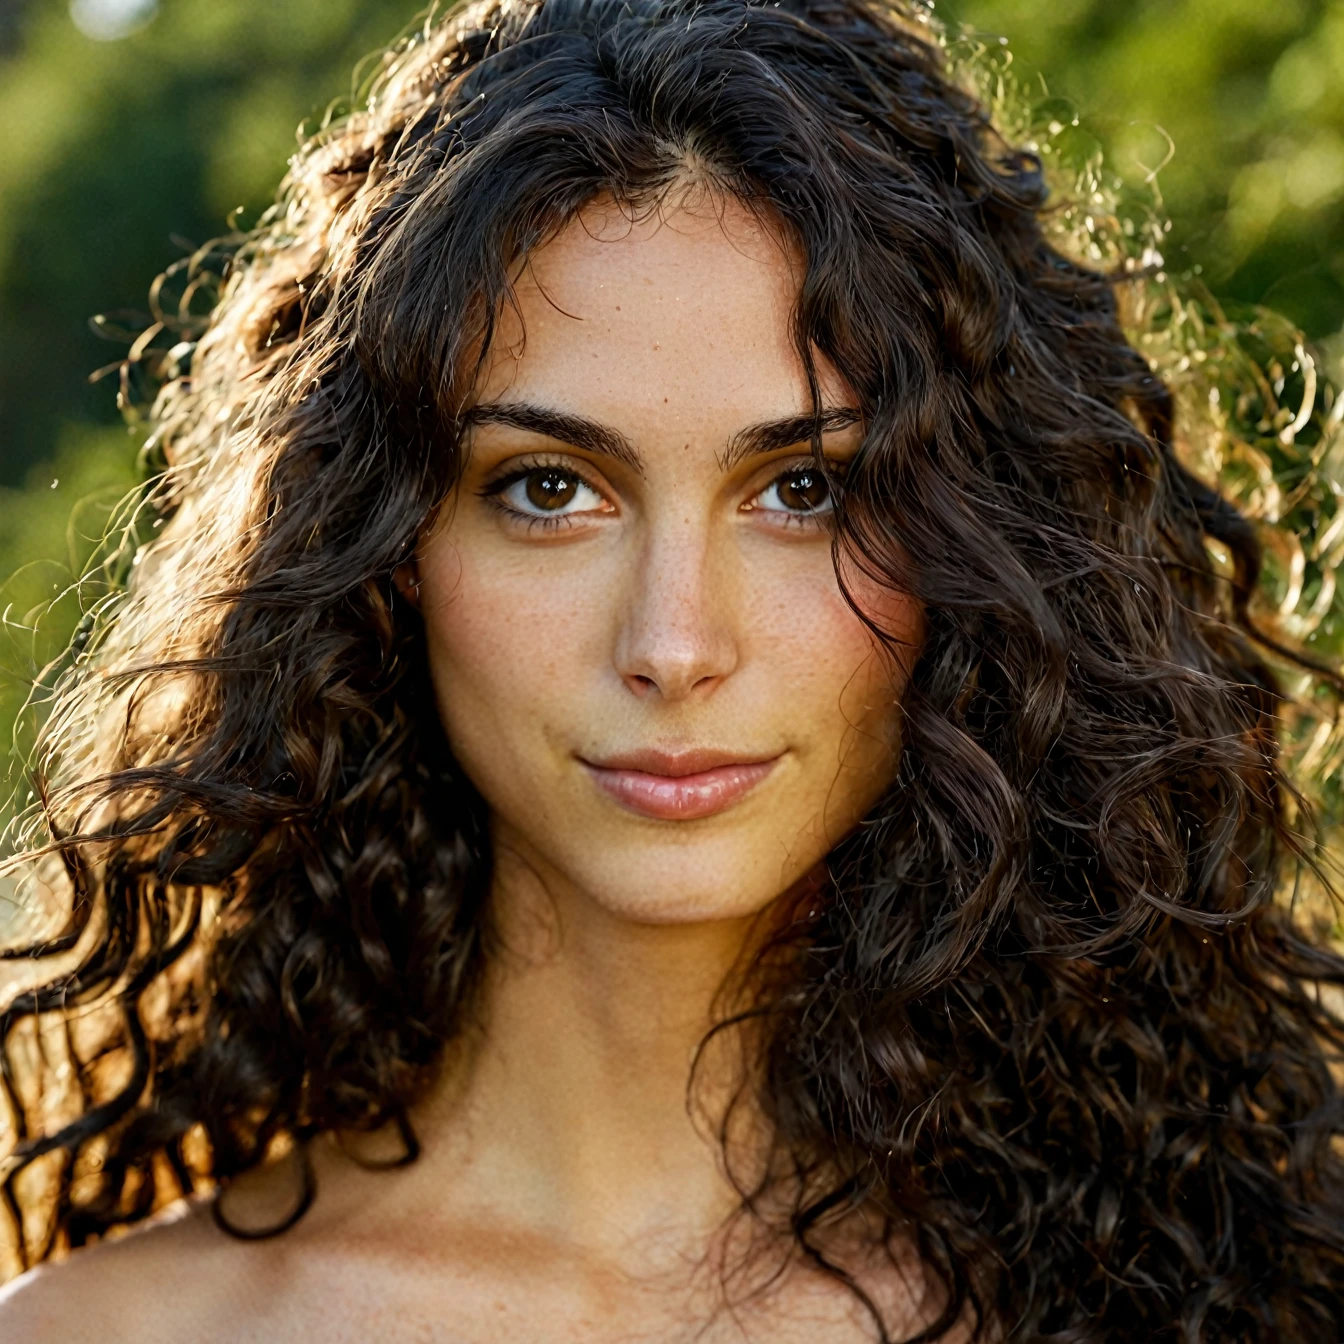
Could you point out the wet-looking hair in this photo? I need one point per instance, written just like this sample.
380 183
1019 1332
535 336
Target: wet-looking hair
1047 1021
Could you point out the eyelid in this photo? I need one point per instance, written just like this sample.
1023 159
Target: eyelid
802 455
772 471
516 468
779 470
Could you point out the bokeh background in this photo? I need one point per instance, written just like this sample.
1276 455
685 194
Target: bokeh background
132 131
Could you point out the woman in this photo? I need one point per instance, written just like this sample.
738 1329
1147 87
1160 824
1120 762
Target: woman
680 768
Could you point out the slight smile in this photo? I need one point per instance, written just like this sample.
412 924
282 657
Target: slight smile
678 786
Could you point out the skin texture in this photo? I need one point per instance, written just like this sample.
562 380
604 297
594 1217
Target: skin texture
566 1191
674 608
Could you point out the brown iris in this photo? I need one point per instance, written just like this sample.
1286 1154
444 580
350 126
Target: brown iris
550 489
804 491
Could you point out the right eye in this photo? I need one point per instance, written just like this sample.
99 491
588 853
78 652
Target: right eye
549 492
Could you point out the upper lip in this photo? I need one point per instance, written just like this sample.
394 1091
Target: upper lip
676 763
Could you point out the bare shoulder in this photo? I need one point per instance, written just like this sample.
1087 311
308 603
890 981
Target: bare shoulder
132 1289
181 1278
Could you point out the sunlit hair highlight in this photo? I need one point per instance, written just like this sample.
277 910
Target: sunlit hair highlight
1047 1022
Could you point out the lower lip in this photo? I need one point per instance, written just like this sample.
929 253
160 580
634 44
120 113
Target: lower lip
681 797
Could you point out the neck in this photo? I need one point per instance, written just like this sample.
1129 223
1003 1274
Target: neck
573 1110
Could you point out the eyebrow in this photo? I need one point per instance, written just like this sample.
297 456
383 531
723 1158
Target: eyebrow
576 430
580 432
772 435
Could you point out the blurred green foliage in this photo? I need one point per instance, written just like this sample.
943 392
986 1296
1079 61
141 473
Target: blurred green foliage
1242 101
120 156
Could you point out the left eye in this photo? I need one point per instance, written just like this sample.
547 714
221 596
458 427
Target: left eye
802 491
550 492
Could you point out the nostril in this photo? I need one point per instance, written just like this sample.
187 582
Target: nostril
640 684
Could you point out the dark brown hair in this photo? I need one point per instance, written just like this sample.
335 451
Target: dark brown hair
1049 1020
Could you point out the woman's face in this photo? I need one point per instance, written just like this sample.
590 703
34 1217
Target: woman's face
638 642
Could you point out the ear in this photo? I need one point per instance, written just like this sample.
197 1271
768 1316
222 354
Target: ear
407 578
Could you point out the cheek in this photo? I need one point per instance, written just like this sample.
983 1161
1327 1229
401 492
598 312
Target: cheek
851 671
505 641
869 704
520 647
897 615
841 688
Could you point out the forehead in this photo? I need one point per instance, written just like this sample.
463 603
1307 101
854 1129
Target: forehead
677 322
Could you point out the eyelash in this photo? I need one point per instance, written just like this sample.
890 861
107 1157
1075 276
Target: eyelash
493 491
834 480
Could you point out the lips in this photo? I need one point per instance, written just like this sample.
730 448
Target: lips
678 786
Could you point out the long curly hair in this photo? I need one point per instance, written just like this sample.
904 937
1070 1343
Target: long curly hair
1048 1018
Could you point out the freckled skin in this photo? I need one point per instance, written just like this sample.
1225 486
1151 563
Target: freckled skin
676 615
564 1192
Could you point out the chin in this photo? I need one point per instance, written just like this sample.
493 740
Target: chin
683 884
666 905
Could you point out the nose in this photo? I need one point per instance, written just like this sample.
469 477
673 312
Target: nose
677 635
